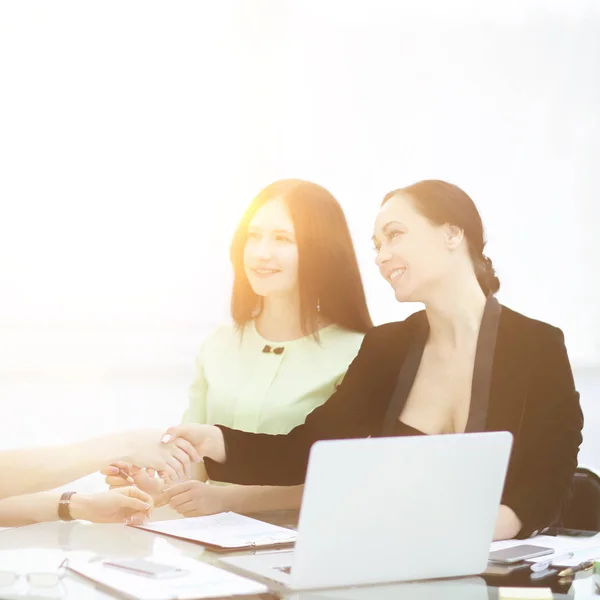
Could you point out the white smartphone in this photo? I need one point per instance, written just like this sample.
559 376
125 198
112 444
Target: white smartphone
147 568
509 556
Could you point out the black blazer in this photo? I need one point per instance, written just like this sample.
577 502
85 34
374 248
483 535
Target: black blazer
532 395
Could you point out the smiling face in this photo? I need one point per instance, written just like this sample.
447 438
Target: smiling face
270 252
413 254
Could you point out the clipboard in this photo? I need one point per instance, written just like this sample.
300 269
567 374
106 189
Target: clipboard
225 532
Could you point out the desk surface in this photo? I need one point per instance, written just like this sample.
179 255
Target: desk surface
114 541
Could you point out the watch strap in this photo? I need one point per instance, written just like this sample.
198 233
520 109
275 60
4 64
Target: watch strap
64 511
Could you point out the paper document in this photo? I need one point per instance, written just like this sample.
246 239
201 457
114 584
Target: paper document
228 530
203 581
568 551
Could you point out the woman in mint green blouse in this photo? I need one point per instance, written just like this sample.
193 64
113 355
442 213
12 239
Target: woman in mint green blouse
240 385
299 317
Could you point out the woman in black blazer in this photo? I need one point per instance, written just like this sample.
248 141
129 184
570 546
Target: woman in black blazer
464 364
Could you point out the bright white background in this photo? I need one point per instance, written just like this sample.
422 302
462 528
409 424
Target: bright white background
133 134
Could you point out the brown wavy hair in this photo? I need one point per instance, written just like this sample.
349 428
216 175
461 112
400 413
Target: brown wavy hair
329 279
442 203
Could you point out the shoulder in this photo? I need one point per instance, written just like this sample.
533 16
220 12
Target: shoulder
336 338
391 340
396 332
519 324
222 336
222 331
537 344
382 351
334 348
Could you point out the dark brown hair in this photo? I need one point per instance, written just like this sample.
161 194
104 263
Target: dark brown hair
328 276
442 203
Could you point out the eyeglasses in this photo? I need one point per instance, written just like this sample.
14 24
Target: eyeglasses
38 579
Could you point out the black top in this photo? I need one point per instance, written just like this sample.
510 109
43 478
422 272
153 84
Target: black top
482 371
531 394
401 428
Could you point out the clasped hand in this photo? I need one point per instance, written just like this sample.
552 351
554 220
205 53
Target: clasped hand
190 498
171 460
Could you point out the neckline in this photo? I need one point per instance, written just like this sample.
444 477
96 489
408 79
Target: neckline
482 369
480 384
285 343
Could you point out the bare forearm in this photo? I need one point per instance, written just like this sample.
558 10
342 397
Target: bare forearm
25 471
257 498
508 524
28 509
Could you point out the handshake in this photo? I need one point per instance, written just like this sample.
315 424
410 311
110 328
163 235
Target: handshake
157 467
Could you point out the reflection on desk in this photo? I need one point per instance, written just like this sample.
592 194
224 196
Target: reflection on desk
466 588
113 541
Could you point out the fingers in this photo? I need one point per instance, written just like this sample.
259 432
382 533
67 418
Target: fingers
124 466
179 499
169 475
136 519
110 470
188 448
175 490
117 466
170 434
171 462
184 430
119 474
206 439
175 462
119 469
134 503
188 509
139 503
116 482
183 458
135 492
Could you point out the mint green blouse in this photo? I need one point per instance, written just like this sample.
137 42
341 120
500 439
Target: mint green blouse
238 385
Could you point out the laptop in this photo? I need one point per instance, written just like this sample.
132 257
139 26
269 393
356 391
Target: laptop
381 510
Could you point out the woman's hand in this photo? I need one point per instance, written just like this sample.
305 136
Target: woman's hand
206 439
171 460
144 479
126 505
196 499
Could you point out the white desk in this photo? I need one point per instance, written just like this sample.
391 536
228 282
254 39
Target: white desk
110 541
114 541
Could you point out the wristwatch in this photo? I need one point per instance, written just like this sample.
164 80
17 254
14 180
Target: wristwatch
64 511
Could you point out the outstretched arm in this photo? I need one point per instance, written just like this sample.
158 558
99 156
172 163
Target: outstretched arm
29 470
127 505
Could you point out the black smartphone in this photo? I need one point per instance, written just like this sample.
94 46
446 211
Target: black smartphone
516 554
575 532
